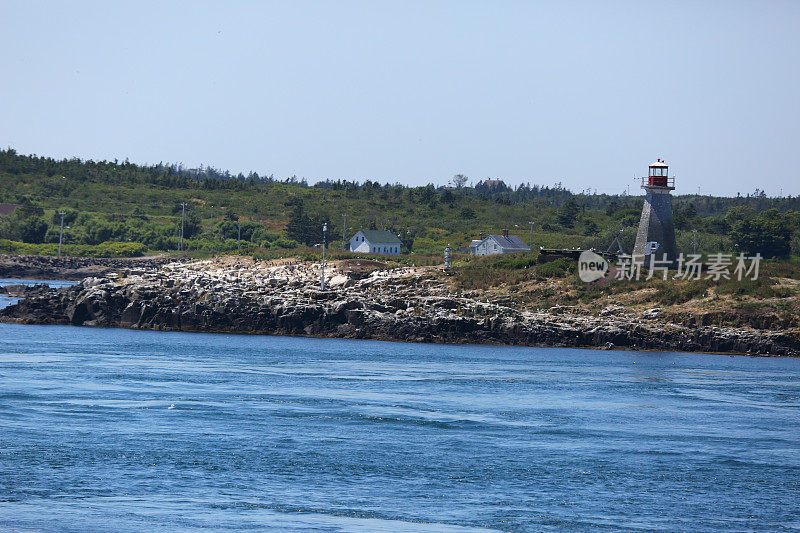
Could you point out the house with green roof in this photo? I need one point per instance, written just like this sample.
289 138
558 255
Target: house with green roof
375 242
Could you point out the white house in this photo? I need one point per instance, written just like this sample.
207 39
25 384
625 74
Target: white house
498 244
375 242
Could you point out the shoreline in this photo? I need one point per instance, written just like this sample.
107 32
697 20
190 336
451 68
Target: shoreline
51 268
410 304
4 320
407 341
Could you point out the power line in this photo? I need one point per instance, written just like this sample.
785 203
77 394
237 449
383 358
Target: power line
180 238
531 223
344 231
61 233
324 230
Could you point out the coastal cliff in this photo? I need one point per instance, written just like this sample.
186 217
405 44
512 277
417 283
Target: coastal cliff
405 304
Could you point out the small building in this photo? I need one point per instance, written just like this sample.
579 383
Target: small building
375 242
472 246
499 244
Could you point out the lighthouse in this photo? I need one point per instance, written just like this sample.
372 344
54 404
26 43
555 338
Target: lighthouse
656 235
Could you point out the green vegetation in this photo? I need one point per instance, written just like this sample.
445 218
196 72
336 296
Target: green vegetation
771 301
768 233
124 203
105 249
497 270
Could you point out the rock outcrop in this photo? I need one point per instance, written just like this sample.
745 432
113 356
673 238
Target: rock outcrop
402 304
70 268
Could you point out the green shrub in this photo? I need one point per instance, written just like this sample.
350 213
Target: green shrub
559 268
106 249
517 263
285 243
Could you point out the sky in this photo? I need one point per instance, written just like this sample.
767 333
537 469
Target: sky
582 93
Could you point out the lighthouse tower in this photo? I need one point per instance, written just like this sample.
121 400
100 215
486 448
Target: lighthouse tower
656 235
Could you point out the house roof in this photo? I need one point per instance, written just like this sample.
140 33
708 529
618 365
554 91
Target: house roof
382 237
512 242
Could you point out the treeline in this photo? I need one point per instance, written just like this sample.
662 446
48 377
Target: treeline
112 201
209 178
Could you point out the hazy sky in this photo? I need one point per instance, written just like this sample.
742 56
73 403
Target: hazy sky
414 92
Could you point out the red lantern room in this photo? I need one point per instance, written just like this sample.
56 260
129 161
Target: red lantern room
659 176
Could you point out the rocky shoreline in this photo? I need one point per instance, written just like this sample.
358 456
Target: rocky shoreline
403 304
70 268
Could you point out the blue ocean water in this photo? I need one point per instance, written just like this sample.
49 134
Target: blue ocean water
104 429
31 282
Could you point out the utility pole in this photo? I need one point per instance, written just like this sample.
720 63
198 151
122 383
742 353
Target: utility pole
61 233
324 229
183 214
239 238
531 223
344 231
211 229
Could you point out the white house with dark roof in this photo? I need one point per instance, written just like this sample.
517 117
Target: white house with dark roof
498 244
375 242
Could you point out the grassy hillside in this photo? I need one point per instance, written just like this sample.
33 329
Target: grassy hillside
127 203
